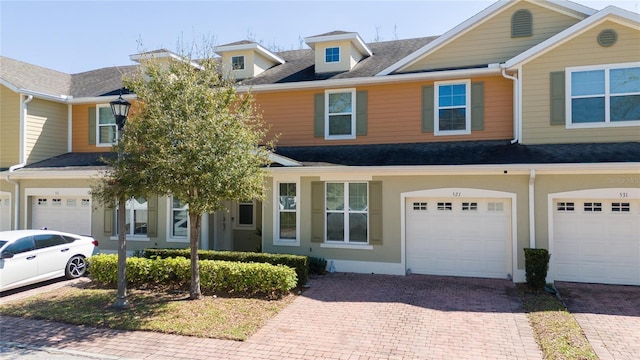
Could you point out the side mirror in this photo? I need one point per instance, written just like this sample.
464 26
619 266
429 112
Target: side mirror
6 255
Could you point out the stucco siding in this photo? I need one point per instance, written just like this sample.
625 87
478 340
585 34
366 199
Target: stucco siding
582 50
9 127
392 188
47 128
491 42
394 115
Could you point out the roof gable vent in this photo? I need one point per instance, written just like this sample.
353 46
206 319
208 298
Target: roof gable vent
607 37
521 23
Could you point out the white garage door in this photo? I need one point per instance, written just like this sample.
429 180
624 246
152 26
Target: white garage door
597 241
459 237
62 213
5 212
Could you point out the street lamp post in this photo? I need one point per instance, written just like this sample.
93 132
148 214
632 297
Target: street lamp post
120 108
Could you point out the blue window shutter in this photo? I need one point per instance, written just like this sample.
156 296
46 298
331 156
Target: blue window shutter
318 124
557 98
477 106
361 113
427 109
92 125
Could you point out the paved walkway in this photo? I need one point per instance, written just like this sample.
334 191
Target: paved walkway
342 316
609 315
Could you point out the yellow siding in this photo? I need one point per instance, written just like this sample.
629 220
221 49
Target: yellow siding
394 115
46 130
491 42
9 127
580 51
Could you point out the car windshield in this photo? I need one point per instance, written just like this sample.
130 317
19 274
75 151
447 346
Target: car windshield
2 242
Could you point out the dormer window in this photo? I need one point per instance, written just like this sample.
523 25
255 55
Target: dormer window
332 55
237 62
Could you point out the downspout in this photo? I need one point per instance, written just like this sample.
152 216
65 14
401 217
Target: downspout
516 105
532 208
23 160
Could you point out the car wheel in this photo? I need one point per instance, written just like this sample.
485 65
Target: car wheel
76 267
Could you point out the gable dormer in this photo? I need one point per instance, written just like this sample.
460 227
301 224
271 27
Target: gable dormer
160 56
245 59
337 51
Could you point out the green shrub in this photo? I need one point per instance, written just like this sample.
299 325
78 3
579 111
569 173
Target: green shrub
299 263
253 279
317 266
536 267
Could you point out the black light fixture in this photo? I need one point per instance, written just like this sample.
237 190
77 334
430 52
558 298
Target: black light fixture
120 108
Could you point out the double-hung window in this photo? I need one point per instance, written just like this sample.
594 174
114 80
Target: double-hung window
340 121
332 55
179 218
136 217
287 214
606 95
107 132
452 110
347 218
237 62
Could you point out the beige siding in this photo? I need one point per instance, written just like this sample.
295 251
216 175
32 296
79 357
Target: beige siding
348 56
9 127
491 42
46 130
580 51
393 187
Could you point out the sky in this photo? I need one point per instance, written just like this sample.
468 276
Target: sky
77 36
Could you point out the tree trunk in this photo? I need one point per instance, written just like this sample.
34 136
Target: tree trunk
194 228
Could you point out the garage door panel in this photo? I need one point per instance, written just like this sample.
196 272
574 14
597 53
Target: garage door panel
459 242
600 246
63 213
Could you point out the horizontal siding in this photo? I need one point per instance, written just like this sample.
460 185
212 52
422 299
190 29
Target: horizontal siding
491 41
580 51
80 132
394 115
9 127
46 130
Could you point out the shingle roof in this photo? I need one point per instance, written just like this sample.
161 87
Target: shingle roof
46 81
462 153
493 152
299 65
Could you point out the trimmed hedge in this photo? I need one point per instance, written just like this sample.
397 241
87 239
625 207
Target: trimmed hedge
299 263
253 279
536 262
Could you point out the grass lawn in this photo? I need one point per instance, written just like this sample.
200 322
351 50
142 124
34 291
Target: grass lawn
212 317
556 331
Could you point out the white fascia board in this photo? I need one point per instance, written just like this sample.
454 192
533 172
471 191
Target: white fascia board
161 55
457 31
252 46
100 99
355 39
52 174
568 7
283 160
609 13
35 94
337 83
493 169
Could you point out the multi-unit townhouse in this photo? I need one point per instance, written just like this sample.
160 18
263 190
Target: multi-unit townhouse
446 155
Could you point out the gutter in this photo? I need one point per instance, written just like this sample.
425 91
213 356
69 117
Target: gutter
516 104
23 159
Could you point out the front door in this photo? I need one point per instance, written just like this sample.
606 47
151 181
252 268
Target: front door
223 229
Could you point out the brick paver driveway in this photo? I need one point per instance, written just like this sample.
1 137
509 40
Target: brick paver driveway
609 315
342 316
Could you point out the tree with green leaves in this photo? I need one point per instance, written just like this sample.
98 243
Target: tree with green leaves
190 135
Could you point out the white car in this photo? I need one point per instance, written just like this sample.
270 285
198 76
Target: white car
31 256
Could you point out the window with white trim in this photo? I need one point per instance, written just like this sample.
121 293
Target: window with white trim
287 222
332 54
244 216
347 212
237 62
565 206
452 108
620 207
445 206
107 131
179 218
136 216
607 95
592 207
340 117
